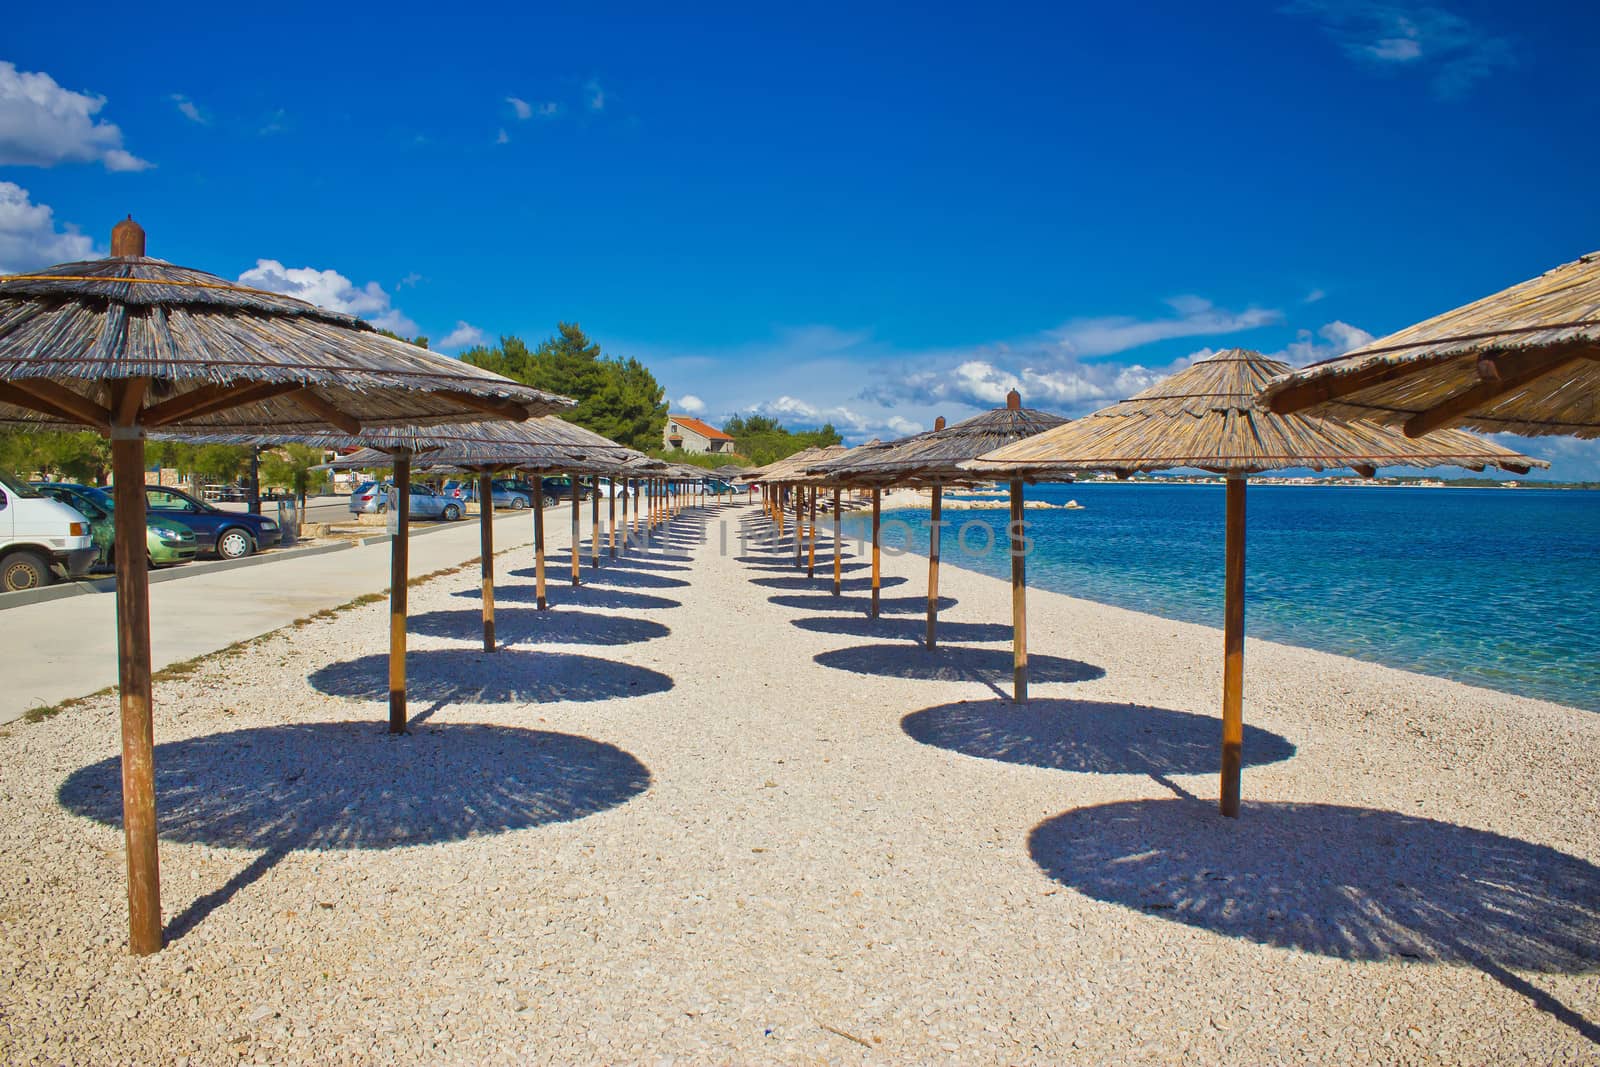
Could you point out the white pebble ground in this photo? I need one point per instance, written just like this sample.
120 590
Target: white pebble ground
702 811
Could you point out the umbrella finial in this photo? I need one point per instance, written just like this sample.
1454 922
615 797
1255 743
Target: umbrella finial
127 239
938 424
1013 401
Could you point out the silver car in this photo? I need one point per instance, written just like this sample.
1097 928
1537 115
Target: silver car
508 492
373 498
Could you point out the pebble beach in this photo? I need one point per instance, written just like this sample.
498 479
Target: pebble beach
704 811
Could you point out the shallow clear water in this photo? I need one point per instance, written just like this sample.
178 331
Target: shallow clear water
1498 588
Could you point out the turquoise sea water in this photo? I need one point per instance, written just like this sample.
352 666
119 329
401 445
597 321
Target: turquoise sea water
1498 588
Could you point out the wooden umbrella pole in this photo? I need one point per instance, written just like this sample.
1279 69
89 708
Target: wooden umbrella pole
877 574
611 515
1019 600
577 491
778 506
133 676
399 575
486 568
811 560
1233 652
631 520
838 546
594 522
934 531
538 542
799 522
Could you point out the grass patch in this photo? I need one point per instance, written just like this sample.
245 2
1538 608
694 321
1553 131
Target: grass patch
40 714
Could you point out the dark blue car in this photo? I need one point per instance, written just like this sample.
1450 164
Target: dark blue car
229 534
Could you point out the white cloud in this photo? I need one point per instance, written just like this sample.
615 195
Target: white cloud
548 109
502 137
465 335
1196 317
1050 370
331 290
1337 339
594 96
42 124
690 404
1314 296
1405 35
29 238
189 109
277 121
797 414
522 108
409 281
1571 459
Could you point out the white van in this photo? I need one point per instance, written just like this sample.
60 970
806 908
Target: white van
39 537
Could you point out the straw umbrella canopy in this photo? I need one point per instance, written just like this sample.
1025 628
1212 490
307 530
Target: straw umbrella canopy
817 476
1207 417
130 344
549 443
1525 360
774 476
935 459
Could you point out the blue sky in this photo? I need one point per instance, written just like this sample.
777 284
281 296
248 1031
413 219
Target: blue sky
831 213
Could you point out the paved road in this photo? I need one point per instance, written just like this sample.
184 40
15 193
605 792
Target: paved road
66 648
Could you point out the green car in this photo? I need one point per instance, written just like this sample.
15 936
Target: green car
166 542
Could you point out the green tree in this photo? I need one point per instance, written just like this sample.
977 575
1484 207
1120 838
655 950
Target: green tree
617 398
71 455
421 341
290 466
763 439
220 463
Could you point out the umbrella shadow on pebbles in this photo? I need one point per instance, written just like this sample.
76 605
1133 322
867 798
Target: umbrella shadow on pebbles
861 584
333 785
784 564
471 676
902 628
629 578
560 591
856 600
953 663
1351 883
529 625
1087 736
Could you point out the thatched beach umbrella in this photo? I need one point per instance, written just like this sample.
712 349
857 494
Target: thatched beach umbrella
773 480
1207 417
934 459
1525 360
810 483
130 344
819 475
478 448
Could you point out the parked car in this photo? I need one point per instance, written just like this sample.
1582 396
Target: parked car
508 492
373 499
559 489
610 488
427 504
228 534
166 541
370 498
39 537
